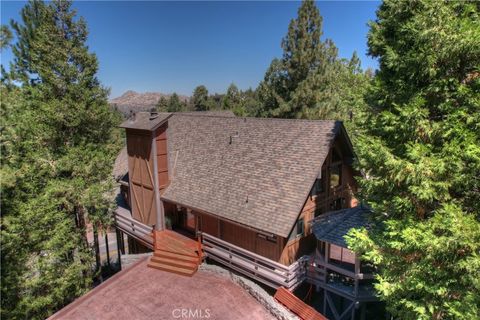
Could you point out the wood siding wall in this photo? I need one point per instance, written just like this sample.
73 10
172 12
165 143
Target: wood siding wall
140 168
244 237
250 239
322 203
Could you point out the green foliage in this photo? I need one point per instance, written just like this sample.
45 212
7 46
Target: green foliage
5 37
310 81
421 154
232 98
175 105
58 147
162 105
200 99
242 103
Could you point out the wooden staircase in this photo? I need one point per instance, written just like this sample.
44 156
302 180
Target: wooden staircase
175 253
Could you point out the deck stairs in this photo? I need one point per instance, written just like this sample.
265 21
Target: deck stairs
175 253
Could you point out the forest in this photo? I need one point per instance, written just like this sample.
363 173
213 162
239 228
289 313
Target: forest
414 122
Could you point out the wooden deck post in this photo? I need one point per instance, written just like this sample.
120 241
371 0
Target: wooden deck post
200 253
357 272
107 248
160 214
119 245
98 262
122 242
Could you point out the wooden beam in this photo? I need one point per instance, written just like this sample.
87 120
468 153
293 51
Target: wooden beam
350 306
332 306
106 247
324 301
119 245
160 214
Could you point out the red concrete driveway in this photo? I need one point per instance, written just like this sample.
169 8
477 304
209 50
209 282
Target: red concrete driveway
141 293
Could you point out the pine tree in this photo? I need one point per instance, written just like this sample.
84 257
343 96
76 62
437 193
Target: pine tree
200 100
174 104
231 100
58 147
162 105
5 37
305 82
421 154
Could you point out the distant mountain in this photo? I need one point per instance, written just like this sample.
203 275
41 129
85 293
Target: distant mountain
132 101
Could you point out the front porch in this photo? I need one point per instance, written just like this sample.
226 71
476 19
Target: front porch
179 251
173 251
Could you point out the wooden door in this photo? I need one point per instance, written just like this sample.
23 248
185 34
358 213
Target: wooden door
190 222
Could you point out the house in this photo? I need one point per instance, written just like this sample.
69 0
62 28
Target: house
242 191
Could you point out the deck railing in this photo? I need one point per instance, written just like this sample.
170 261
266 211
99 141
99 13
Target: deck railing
318 272
253 265
134 228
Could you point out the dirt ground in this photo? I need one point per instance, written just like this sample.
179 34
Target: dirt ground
141 293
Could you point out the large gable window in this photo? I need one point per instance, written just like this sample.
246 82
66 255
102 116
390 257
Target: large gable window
317 187
335 175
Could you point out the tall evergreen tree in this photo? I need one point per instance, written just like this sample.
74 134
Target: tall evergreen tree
6 37
232 98
58 146
242 103
200 100
162 105
305 82
174 104
421 154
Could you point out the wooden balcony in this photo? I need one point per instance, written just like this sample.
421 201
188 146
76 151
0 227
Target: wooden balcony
127 224
262 269
329 276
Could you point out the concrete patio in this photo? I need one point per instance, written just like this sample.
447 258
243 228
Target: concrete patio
141 293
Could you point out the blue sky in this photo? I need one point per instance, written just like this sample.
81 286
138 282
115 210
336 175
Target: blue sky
175 46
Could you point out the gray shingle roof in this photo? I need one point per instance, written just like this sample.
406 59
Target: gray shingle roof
152 120
333 226
253 171
146 120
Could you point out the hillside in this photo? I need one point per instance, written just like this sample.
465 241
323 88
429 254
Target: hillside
136 101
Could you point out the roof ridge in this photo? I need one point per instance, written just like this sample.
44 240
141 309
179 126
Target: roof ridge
190 114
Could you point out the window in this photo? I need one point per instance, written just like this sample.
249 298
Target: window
300 228
335 175
341 254
336 155
317 187
271 238
298 231
337 204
